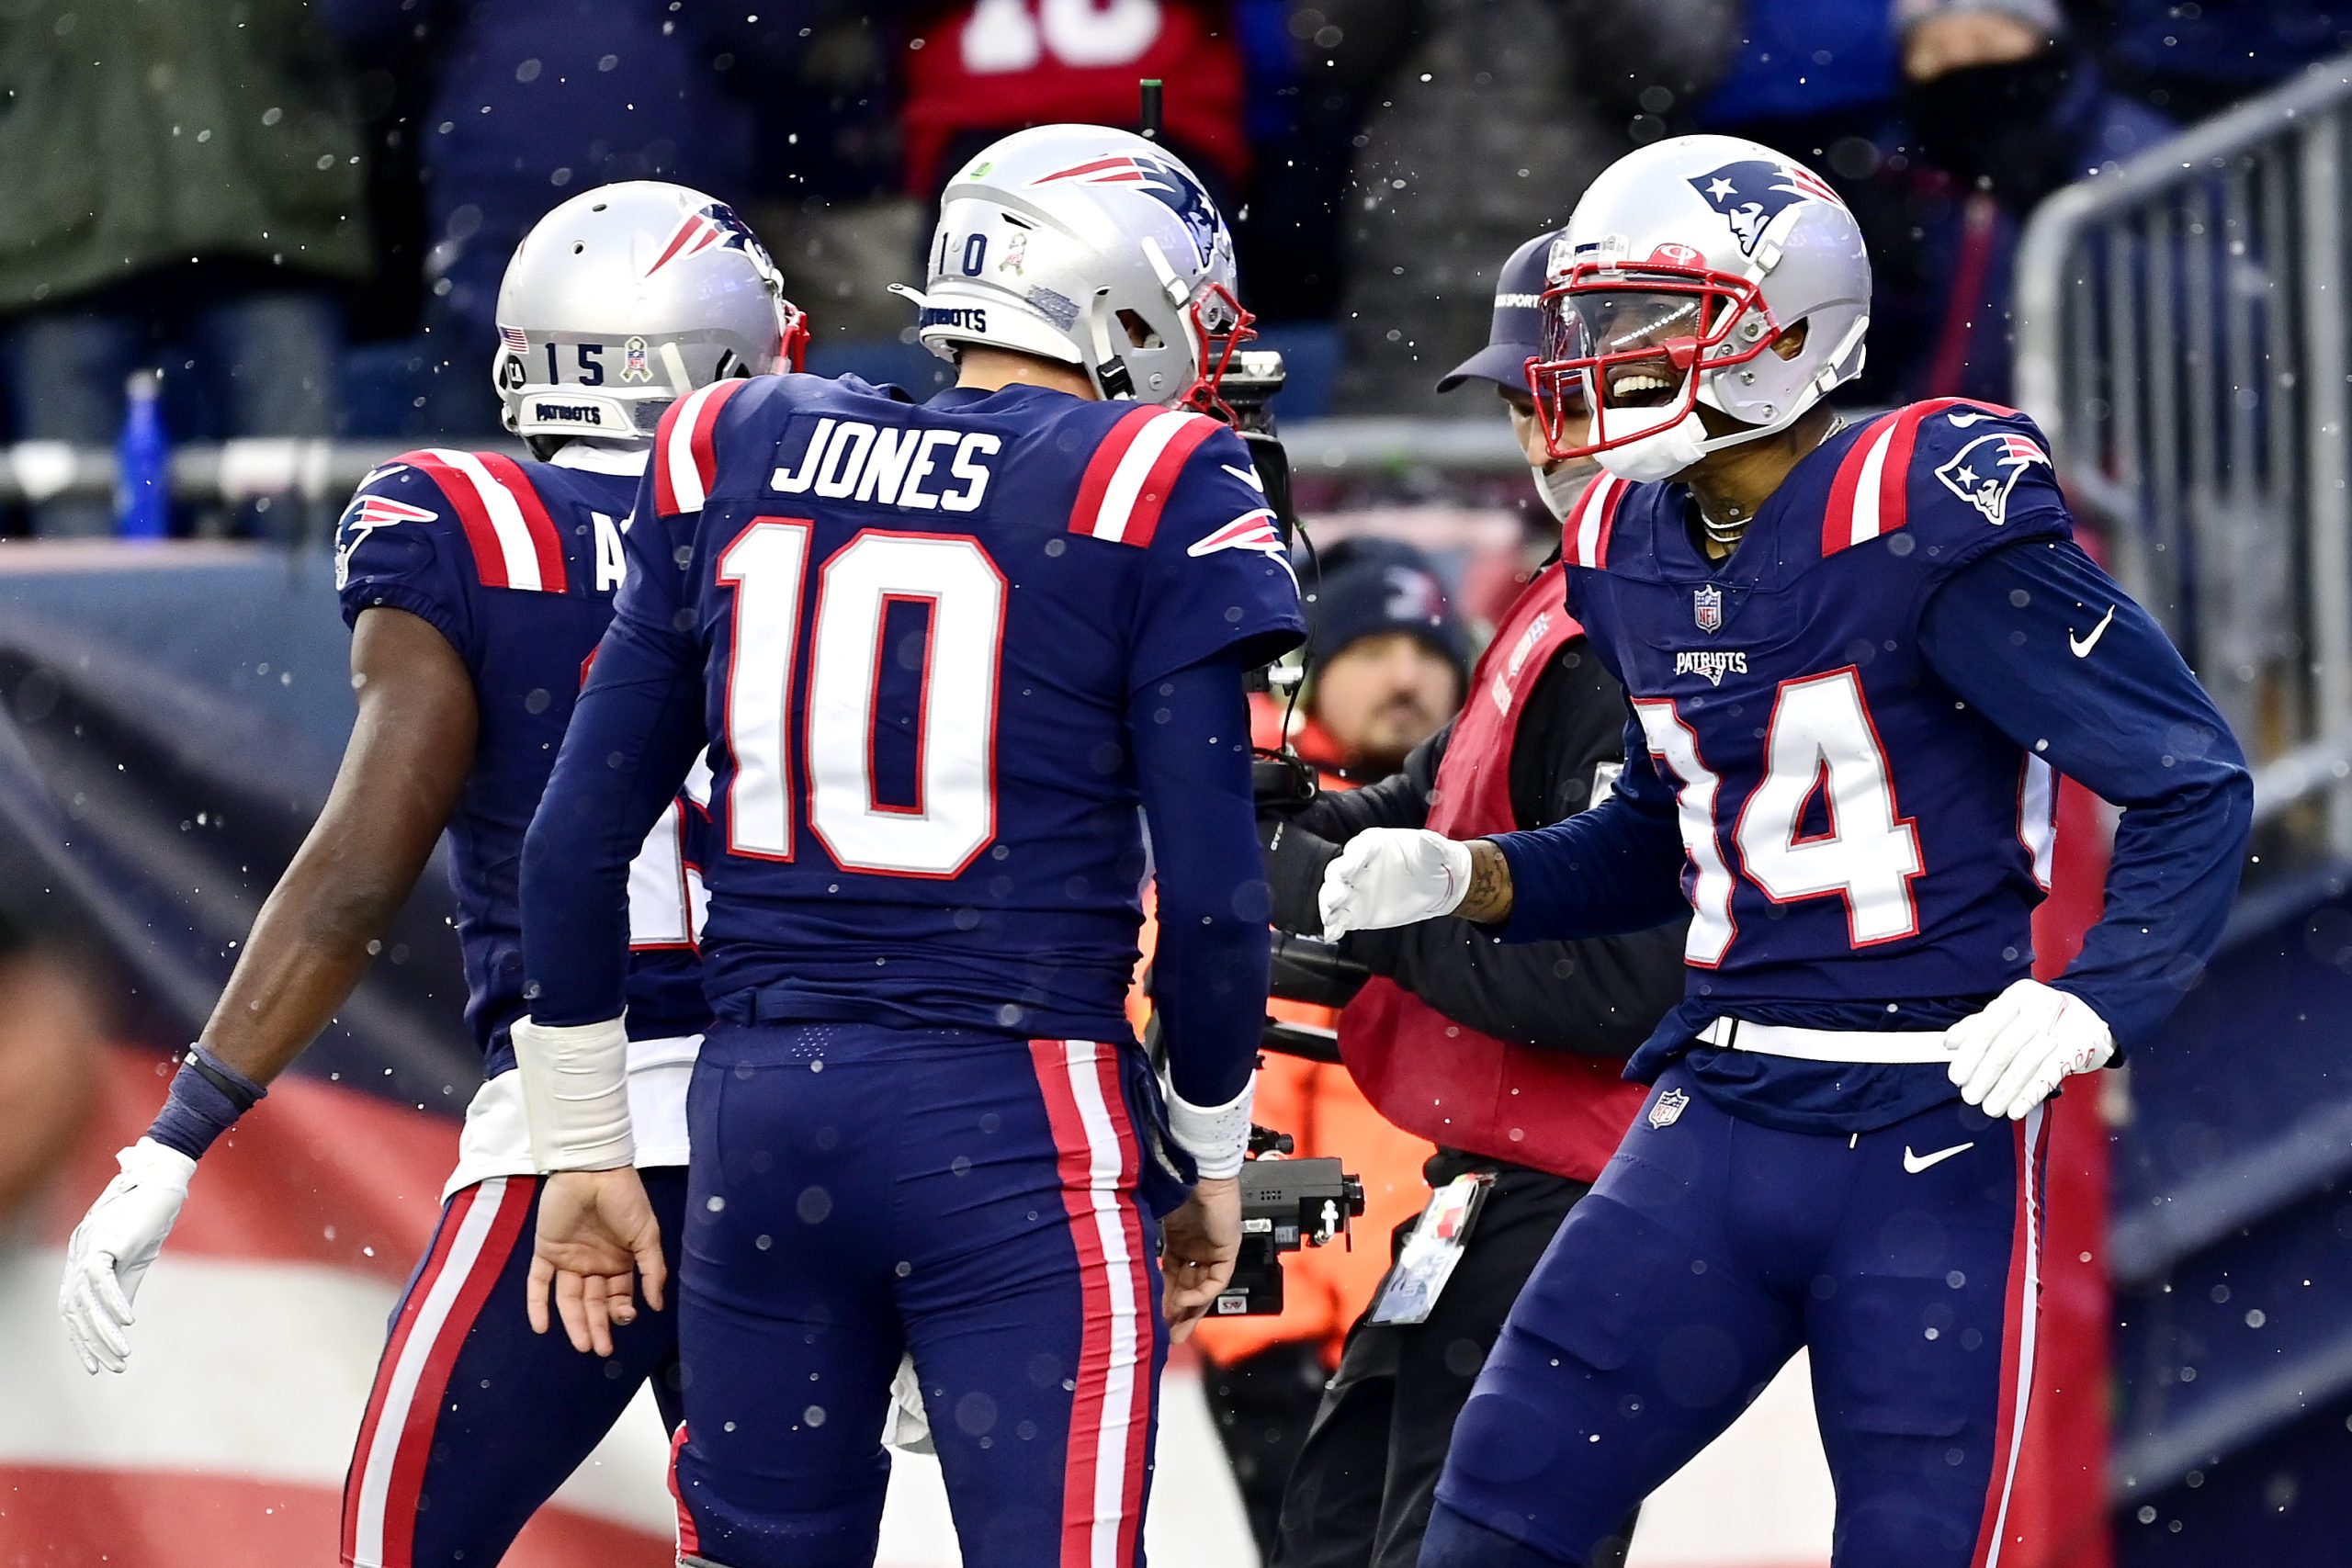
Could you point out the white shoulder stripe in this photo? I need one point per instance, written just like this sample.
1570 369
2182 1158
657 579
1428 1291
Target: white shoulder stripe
678 453
515 543
1126 480
1866 513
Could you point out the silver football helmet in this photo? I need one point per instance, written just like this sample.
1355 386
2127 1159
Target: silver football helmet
1681 267
626 297
1091 247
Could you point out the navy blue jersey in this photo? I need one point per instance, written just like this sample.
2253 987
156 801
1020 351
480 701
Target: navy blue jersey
924 633
1844 734
518 564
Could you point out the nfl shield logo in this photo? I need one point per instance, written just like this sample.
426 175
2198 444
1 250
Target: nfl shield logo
1707 608
1669 1108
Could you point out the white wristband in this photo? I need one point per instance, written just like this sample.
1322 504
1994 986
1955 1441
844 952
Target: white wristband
1216 1136
575 1094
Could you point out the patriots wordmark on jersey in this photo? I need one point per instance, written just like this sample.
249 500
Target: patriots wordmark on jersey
516 564
924 624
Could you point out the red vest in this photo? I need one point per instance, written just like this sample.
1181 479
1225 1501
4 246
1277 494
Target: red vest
1444 1081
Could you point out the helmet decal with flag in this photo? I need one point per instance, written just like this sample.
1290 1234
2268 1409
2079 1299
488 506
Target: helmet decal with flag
1675 286
1091 247
626 298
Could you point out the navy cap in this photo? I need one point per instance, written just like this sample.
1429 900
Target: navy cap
1517 332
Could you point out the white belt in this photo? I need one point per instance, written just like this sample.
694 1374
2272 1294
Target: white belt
1829 1044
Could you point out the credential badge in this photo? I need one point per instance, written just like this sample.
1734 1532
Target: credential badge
1669 1108
1707 607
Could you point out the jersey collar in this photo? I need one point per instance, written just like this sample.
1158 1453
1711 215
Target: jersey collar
601 458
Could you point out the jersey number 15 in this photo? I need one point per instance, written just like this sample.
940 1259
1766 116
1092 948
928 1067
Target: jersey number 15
837 629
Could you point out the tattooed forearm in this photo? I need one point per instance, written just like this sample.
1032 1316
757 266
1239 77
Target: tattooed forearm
1489 895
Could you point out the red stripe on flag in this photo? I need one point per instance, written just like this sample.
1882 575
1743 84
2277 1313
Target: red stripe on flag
1152 499
1106 463
490 559
405 1489
546 543
1075 1162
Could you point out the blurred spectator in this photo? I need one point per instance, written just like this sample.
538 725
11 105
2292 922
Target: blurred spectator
1942 123
1490 119
184 190
523 102
2190 61
1389 659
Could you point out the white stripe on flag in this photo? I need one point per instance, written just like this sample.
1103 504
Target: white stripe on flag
1126 480
515 545
1866 518
384 1443
1112 1457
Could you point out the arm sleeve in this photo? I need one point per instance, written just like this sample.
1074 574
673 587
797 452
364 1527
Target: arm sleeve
634 734
1601 996
1190 732
1614 869
2122 715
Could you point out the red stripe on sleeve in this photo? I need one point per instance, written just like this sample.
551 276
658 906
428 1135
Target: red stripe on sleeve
1152 499
706 436
1610 502
1106 463
546 543
490 559
1837 522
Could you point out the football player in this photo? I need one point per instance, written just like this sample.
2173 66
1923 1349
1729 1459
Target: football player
943 651
1855 655
476 586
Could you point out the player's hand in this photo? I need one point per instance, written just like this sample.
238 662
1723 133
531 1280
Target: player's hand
1199 1242
112 1248
1393 877
2010 1057
597 1229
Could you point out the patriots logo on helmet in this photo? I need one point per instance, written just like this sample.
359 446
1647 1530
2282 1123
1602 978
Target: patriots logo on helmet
1753 191
698 231
1252 531
1987 468
1162 181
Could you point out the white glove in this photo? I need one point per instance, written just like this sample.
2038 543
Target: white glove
112 1248
1393 877
2010 1057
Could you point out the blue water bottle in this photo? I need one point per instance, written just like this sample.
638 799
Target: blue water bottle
143 496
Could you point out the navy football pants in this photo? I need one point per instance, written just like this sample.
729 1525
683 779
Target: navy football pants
1905 1260
859 1192
474 1420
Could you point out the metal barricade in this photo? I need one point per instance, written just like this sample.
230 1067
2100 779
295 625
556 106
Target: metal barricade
2182 337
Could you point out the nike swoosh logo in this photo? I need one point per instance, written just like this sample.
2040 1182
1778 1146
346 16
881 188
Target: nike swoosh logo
1964 420
1915 1163
2083 644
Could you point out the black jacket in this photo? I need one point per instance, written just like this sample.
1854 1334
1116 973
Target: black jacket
1600 996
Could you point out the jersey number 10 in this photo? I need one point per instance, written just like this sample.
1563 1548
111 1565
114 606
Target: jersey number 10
837 631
